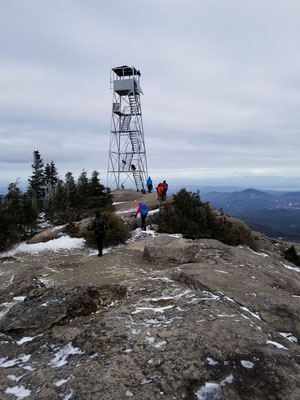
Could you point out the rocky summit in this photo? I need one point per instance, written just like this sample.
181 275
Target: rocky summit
161 317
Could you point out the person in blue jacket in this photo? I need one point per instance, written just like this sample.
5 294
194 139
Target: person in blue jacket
143 209
149 184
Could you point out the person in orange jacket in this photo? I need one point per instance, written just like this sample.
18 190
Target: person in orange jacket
160 191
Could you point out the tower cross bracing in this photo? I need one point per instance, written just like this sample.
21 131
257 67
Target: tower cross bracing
127 163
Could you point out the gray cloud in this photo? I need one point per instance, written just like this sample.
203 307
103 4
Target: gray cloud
221 83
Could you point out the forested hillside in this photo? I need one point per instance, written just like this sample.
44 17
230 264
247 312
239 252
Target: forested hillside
48 199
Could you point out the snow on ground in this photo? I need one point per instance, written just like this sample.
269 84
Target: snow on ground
5 363
14 378
211 361
25 340
127 211
140 234
19 391
63 243
276 344
60 358
212 390
153 211
62 382
289 336
209 391
297 269
247 364
255 315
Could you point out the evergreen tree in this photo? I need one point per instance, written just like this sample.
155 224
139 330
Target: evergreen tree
47 175
29 214
37 179
10 217
62 202
96 193
58 204
8 232
13 200
186 214
82 190
51 176
71 197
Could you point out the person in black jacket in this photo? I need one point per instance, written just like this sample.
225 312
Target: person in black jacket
99 227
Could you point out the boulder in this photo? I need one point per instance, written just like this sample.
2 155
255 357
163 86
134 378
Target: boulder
163 249
47 234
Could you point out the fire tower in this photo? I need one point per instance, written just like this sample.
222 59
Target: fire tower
127 152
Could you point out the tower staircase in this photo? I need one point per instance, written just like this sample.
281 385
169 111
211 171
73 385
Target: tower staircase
126 123
125 127
138 181
134 105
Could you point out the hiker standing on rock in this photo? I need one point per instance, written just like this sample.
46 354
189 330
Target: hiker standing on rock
143 209
160 191
99 227
165 185
149 184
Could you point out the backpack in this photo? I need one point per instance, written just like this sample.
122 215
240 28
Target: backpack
144 209
100 227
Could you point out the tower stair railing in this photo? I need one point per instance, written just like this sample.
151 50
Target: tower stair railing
138 180
125 123
134 141
134 105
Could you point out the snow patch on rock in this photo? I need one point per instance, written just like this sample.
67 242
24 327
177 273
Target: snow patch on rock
19 391
63 243
60 358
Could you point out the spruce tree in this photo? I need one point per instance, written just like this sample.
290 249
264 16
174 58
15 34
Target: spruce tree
13 200
37 179
10 217
51 176
29 214
97 196
82 190
71 197
8 233
47 175
58 204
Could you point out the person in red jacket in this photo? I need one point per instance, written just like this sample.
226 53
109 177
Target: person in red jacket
160 191
144 212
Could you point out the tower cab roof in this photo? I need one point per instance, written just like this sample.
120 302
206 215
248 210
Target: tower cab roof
124 70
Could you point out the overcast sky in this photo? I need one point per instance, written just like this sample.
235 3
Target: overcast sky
221 83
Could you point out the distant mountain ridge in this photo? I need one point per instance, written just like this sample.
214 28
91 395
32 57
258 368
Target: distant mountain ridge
273 215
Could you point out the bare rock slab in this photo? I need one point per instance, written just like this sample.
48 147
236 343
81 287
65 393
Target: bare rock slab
170 249
44 308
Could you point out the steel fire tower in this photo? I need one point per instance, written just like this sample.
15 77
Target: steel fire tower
127 152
